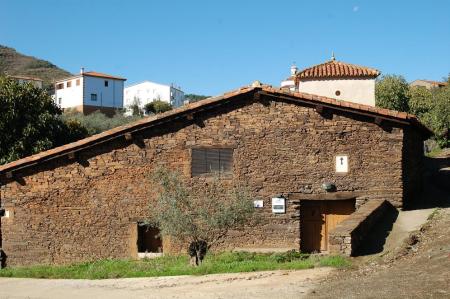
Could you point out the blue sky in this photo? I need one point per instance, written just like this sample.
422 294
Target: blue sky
209 47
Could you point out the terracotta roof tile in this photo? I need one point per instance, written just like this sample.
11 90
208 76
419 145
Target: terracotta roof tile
101 75
337 69
167 116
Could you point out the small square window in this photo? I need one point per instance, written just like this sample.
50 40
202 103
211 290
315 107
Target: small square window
106 83
59 101
69 84
60 86
211 160
77 83
93 97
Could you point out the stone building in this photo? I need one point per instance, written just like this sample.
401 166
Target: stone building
307 154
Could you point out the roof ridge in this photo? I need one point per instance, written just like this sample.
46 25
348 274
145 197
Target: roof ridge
337 68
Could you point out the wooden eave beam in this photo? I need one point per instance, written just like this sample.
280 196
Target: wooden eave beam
128 136
325 105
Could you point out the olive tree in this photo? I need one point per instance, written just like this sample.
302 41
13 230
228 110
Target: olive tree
199 217
157 106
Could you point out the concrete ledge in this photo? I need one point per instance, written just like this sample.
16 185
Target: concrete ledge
347 236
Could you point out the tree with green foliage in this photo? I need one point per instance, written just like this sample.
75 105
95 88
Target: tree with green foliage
420 100
157 106
30 121
438 117
98 122
392 92
200 217
195 97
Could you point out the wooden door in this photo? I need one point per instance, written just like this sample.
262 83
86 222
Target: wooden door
312 227
318 218
338 211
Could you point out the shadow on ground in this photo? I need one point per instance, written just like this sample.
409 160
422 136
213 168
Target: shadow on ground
376 238
435 194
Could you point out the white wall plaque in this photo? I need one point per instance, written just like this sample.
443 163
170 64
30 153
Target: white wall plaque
342 164
278 205
258 203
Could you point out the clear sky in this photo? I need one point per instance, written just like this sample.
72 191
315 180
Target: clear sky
209 47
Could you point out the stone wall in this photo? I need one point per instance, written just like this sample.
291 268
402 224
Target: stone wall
65 211
348 235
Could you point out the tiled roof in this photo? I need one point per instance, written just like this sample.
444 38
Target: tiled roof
101 75
337 69
432 82
210 103
91 74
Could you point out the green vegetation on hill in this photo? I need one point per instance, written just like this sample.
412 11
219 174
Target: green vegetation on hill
14 63
97 122
195 97
227 262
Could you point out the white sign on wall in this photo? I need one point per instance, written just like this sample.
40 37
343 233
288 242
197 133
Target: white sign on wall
278 205
342 164
258 203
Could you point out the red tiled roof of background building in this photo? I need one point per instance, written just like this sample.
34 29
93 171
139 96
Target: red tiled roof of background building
439 83
337 69
101 75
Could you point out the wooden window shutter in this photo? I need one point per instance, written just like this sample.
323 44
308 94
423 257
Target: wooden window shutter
226 160
211 160
198 162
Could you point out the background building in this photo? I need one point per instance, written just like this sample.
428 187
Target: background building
147 91
428 84
89 92
335 79
23 79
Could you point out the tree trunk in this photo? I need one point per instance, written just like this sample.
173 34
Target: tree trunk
197 252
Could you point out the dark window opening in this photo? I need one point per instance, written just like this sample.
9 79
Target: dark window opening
106 83
93 97
211 160
149 239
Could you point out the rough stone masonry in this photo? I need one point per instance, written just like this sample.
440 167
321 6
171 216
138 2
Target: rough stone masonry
82 201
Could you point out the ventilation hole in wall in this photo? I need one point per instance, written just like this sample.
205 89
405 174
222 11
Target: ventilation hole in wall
338 92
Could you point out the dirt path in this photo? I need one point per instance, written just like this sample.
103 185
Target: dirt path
418 269
268 284
407 222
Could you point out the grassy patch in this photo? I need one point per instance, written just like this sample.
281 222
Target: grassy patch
227 262
435 152
433 214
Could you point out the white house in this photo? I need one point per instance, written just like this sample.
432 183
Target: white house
335 79
36 82
89 92
146 92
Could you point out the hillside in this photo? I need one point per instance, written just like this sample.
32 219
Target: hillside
15 63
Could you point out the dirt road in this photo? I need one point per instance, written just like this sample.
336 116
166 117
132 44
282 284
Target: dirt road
418 269
269 284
